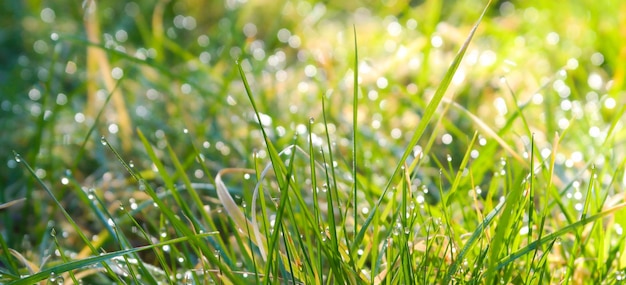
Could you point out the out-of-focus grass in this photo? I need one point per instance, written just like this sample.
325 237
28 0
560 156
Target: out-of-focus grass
517 171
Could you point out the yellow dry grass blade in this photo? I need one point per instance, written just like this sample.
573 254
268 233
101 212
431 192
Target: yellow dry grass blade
488 131
242 224
11 203
98 66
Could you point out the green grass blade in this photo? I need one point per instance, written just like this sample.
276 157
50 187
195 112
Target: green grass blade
279 167
82 148
11 272
58 204
330 191
177 223
457 179
514 206
472 240
552 236
355 132
421 127
89 261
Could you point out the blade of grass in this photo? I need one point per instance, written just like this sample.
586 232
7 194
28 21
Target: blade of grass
478 232
69 218
316 209
330 185
549 237
514 206
457 179
100 258
11 203
176 222
489 131
9 262
421 127
279 167
355 117
190 189
97 58
82 148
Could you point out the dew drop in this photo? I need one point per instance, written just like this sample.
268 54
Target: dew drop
18 158
131 164
142 185
396 230
103 141
420 199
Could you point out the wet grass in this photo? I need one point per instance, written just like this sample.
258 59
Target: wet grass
197 143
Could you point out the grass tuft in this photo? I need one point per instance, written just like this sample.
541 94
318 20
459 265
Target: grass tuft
439 143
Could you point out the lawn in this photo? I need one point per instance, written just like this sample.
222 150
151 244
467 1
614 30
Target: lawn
303 142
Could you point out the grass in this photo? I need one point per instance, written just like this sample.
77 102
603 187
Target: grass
206 142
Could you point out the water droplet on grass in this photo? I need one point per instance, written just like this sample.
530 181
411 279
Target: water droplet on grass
103 140
420 199
474 153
